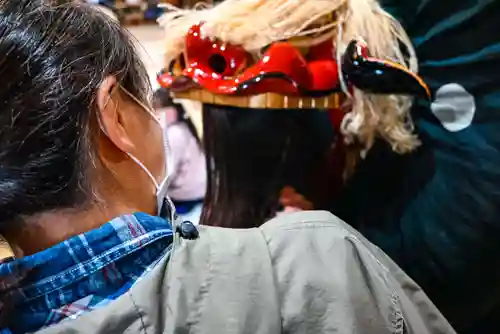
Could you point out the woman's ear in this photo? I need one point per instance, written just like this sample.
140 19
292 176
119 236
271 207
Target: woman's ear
105 91
111 106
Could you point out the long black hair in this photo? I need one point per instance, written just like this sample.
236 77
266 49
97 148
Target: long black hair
252 154
53 59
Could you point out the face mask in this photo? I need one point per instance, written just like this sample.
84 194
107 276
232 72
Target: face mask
165 207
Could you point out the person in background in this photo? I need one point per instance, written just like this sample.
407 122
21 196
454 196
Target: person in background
97 246
188 176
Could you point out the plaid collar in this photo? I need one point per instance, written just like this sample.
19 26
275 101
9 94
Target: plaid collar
84 272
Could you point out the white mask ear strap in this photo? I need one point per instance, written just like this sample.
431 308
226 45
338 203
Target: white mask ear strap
158 119
137 161
145 107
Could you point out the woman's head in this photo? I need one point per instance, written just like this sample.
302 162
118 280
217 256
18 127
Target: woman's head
174 112
252 154
66 119
163 103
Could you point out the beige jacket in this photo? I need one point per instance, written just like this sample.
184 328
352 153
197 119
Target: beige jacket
306 272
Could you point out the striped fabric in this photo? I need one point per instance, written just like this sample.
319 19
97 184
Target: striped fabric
85 272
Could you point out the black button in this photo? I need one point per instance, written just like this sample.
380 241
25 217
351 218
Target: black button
188 231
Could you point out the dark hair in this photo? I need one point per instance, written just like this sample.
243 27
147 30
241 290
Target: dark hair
253 154
53 60
162 99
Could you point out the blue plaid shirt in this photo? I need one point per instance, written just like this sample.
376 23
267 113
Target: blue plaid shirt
85 272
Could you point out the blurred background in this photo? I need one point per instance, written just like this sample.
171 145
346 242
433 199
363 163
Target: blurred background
139 16
142 11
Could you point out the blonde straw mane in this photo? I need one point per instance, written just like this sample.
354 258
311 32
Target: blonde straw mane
254 24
